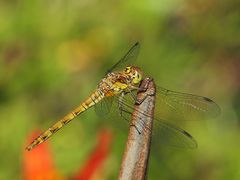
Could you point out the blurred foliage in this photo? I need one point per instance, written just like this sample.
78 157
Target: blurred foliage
53 53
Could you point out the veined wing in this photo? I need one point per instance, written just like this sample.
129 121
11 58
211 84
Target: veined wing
174 136
128 59
163 132
171 105
112 103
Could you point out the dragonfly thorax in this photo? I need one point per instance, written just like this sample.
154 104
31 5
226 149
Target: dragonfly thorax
118 82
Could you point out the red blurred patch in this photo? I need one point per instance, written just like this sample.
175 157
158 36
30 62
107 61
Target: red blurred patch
95 162
38 163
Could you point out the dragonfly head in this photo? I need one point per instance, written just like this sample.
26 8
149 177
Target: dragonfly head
134 73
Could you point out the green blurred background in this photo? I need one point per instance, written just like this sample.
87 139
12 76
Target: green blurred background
53 54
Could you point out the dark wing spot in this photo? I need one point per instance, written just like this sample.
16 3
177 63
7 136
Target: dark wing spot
207 99
187 134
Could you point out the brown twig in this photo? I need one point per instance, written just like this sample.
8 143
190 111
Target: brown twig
135 158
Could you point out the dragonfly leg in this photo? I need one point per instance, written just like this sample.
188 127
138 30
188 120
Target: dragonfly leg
133 96
137 88
143 86
120 103
124 117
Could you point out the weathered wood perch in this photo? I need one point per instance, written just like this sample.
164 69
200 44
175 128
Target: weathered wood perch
135 158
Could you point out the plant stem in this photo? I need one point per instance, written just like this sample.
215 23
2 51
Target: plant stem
135 158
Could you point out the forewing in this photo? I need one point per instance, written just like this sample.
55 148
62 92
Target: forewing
171 105
128 59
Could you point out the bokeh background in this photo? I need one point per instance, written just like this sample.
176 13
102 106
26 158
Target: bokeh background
53 54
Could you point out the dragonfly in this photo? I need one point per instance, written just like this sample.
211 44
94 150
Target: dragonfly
119 87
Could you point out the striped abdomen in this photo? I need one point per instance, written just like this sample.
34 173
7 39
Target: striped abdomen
89 102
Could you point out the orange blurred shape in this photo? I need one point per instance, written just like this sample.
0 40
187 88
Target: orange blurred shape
38 163
92 168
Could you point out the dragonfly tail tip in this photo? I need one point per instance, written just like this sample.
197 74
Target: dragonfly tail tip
28 148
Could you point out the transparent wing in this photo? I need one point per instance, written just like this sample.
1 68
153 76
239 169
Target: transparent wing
167 133
171 105
163 132
112 117
128 59
103 107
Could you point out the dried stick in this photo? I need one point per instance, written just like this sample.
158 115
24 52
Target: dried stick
135 158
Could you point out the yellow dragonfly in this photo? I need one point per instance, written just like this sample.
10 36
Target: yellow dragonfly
121 82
